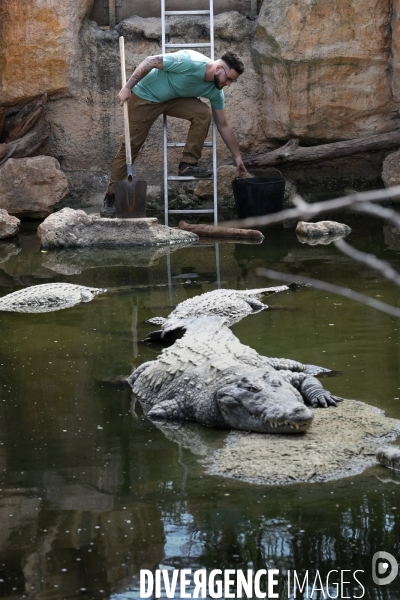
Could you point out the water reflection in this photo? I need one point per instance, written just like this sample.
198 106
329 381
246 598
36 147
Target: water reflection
75 260
90 494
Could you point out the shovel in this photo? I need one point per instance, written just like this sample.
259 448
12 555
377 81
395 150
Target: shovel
130 194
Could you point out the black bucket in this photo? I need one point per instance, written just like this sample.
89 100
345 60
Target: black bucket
258 196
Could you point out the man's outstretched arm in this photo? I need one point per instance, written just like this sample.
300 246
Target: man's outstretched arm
227 134
149 63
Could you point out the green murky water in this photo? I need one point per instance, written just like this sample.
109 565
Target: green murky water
90 494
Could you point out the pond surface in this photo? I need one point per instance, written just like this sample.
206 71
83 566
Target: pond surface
90 493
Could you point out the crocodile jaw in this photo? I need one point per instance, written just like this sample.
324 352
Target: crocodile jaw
240 418
262 408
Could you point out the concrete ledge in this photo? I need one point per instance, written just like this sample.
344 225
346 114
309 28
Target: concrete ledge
70 228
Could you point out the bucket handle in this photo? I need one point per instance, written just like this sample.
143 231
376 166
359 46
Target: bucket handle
273 171
249 179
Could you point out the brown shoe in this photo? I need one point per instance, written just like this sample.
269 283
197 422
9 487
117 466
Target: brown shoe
108 209
188 170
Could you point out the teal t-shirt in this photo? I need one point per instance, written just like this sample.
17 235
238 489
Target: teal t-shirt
182 76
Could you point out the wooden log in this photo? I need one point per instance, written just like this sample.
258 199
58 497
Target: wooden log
30 143
25 119
291 154
215 231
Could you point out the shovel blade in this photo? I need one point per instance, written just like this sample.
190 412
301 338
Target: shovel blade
130 199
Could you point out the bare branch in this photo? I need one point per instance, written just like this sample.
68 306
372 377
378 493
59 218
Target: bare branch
307 211
387 214
381 266
334 289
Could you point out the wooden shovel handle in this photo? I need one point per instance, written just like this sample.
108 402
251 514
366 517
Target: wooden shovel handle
125 108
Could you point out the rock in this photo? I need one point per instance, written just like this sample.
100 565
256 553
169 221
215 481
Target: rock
322 228
40 43
290 193
389 457
318 63
29 187
70 228
391 236
391 170
340 443
9 226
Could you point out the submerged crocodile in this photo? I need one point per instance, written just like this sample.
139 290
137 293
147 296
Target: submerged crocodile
232 305
47 297
208 376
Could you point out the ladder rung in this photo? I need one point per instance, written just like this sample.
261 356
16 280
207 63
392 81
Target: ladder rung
187 12
187 178
202 210
202 45
182 144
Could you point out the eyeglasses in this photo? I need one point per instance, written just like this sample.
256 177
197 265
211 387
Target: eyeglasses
229 78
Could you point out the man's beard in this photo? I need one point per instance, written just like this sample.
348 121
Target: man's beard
217 83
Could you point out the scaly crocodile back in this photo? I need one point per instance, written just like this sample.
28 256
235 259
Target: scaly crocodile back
232 305
47 297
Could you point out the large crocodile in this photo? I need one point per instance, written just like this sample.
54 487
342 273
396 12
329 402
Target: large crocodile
208 376
47 297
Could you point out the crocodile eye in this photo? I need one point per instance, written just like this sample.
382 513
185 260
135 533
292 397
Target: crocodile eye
253 388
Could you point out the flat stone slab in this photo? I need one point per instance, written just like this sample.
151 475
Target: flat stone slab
342 441
70 228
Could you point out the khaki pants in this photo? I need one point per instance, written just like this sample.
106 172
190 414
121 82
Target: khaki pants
143 113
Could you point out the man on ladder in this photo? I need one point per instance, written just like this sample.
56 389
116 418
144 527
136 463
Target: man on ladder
171 84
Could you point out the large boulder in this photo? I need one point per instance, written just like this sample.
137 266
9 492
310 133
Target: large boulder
9 226
40 44
30 187
326 68
70 228
391 169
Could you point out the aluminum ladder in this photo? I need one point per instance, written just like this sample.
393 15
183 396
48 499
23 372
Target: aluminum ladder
213 145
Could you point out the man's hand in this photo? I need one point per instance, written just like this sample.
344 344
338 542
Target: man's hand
240 168
124 95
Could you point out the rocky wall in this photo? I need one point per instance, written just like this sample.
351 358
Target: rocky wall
320 70
326 68
39 47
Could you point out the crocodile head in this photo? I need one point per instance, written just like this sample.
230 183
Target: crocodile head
262 402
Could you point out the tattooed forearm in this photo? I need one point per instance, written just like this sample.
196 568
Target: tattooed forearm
149 63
